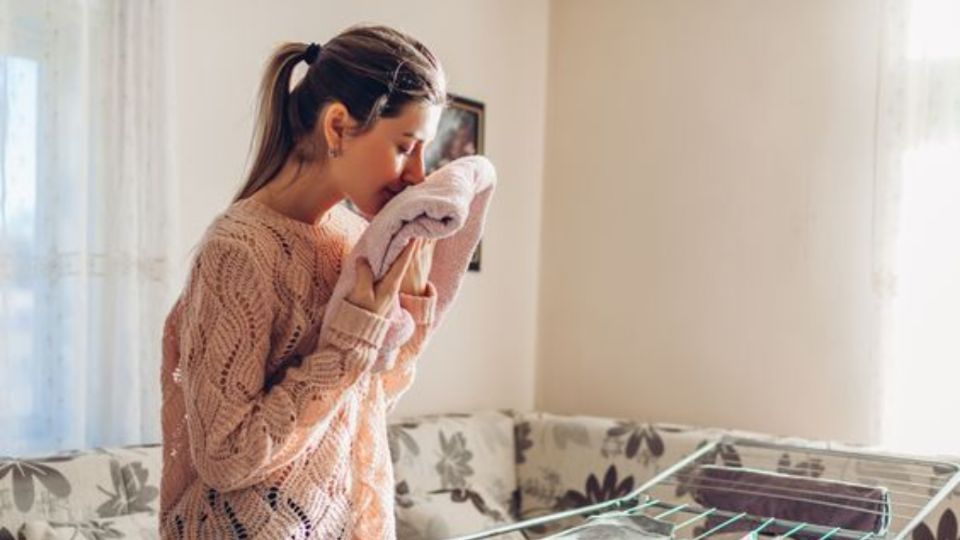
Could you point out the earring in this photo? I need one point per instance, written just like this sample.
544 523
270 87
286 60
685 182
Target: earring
334 153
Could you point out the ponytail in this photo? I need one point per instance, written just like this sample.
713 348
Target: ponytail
274 137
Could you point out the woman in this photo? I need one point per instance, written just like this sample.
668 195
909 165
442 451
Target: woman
269 433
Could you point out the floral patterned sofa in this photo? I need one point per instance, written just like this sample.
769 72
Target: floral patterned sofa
455 474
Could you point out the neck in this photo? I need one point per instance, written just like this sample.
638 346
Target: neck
303 192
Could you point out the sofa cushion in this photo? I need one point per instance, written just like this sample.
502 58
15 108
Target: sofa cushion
141 525
141 467
66 487
448 513
566 462
455 451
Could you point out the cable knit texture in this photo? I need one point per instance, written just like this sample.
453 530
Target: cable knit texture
267 432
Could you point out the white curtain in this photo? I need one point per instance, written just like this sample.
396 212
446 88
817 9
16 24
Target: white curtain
84 227
918 229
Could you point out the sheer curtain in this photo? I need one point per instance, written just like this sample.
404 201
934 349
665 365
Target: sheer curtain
84 225
918 229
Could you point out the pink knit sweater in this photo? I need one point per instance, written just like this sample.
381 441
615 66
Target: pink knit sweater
266 432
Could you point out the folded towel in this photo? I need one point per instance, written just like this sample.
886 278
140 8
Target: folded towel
450 206
815 501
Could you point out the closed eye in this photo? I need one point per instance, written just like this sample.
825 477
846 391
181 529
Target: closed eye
406 151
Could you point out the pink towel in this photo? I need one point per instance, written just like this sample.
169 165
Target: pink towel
450 206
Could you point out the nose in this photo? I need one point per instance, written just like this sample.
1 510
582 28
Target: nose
414 171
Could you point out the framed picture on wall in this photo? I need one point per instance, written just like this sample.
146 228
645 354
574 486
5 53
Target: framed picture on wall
459 134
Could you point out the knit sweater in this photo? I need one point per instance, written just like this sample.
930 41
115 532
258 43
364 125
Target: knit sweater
268 433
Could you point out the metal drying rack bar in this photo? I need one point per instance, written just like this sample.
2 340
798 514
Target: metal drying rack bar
889 469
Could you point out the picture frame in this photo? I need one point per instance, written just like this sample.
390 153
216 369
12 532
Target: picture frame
460 133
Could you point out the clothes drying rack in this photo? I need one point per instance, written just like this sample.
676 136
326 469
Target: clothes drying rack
915 487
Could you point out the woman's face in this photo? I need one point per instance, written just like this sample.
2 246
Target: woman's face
381 163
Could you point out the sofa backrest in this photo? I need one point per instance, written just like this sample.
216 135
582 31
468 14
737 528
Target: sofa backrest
78 486
467 451
455 473
566 462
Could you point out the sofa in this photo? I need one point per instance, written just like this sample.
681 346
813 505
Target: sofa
455 474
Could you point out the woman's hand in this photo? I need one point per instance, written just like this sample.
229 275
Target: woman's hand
378 297
415 279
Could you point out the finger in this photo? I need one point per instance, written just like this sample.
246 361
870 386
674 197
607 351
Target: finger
391 281
364 274
400 266
395 267
417 245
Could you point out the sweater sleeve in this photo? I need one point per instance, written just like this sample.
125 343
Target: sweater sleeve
239 432
398 379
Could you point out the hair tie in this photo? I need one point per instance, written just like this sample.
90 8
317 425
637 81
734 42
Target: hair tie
311 54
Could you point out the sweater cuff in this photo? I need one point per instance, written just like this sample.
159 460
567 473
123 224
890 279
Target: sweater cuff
366 326
422 308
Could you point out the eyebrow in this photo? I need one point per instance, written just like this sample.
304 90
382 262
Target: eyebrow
413 136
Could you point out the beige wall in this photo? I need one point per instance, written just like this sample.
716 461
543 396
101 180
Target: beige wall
494 51
707 214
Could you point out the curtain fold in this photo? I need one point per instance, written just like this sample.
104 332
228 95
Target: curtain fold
917 268
85 226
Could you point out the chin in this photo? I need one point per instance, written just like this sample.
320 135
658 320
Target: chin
367 210
371 206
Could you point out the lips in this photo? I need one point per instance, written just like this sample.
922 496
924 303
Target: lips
388 195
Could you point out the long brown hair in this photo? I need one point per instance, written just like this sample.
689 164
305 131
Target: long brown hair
373 70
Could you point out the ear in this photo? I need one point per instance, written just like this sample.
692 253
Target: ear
336 124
